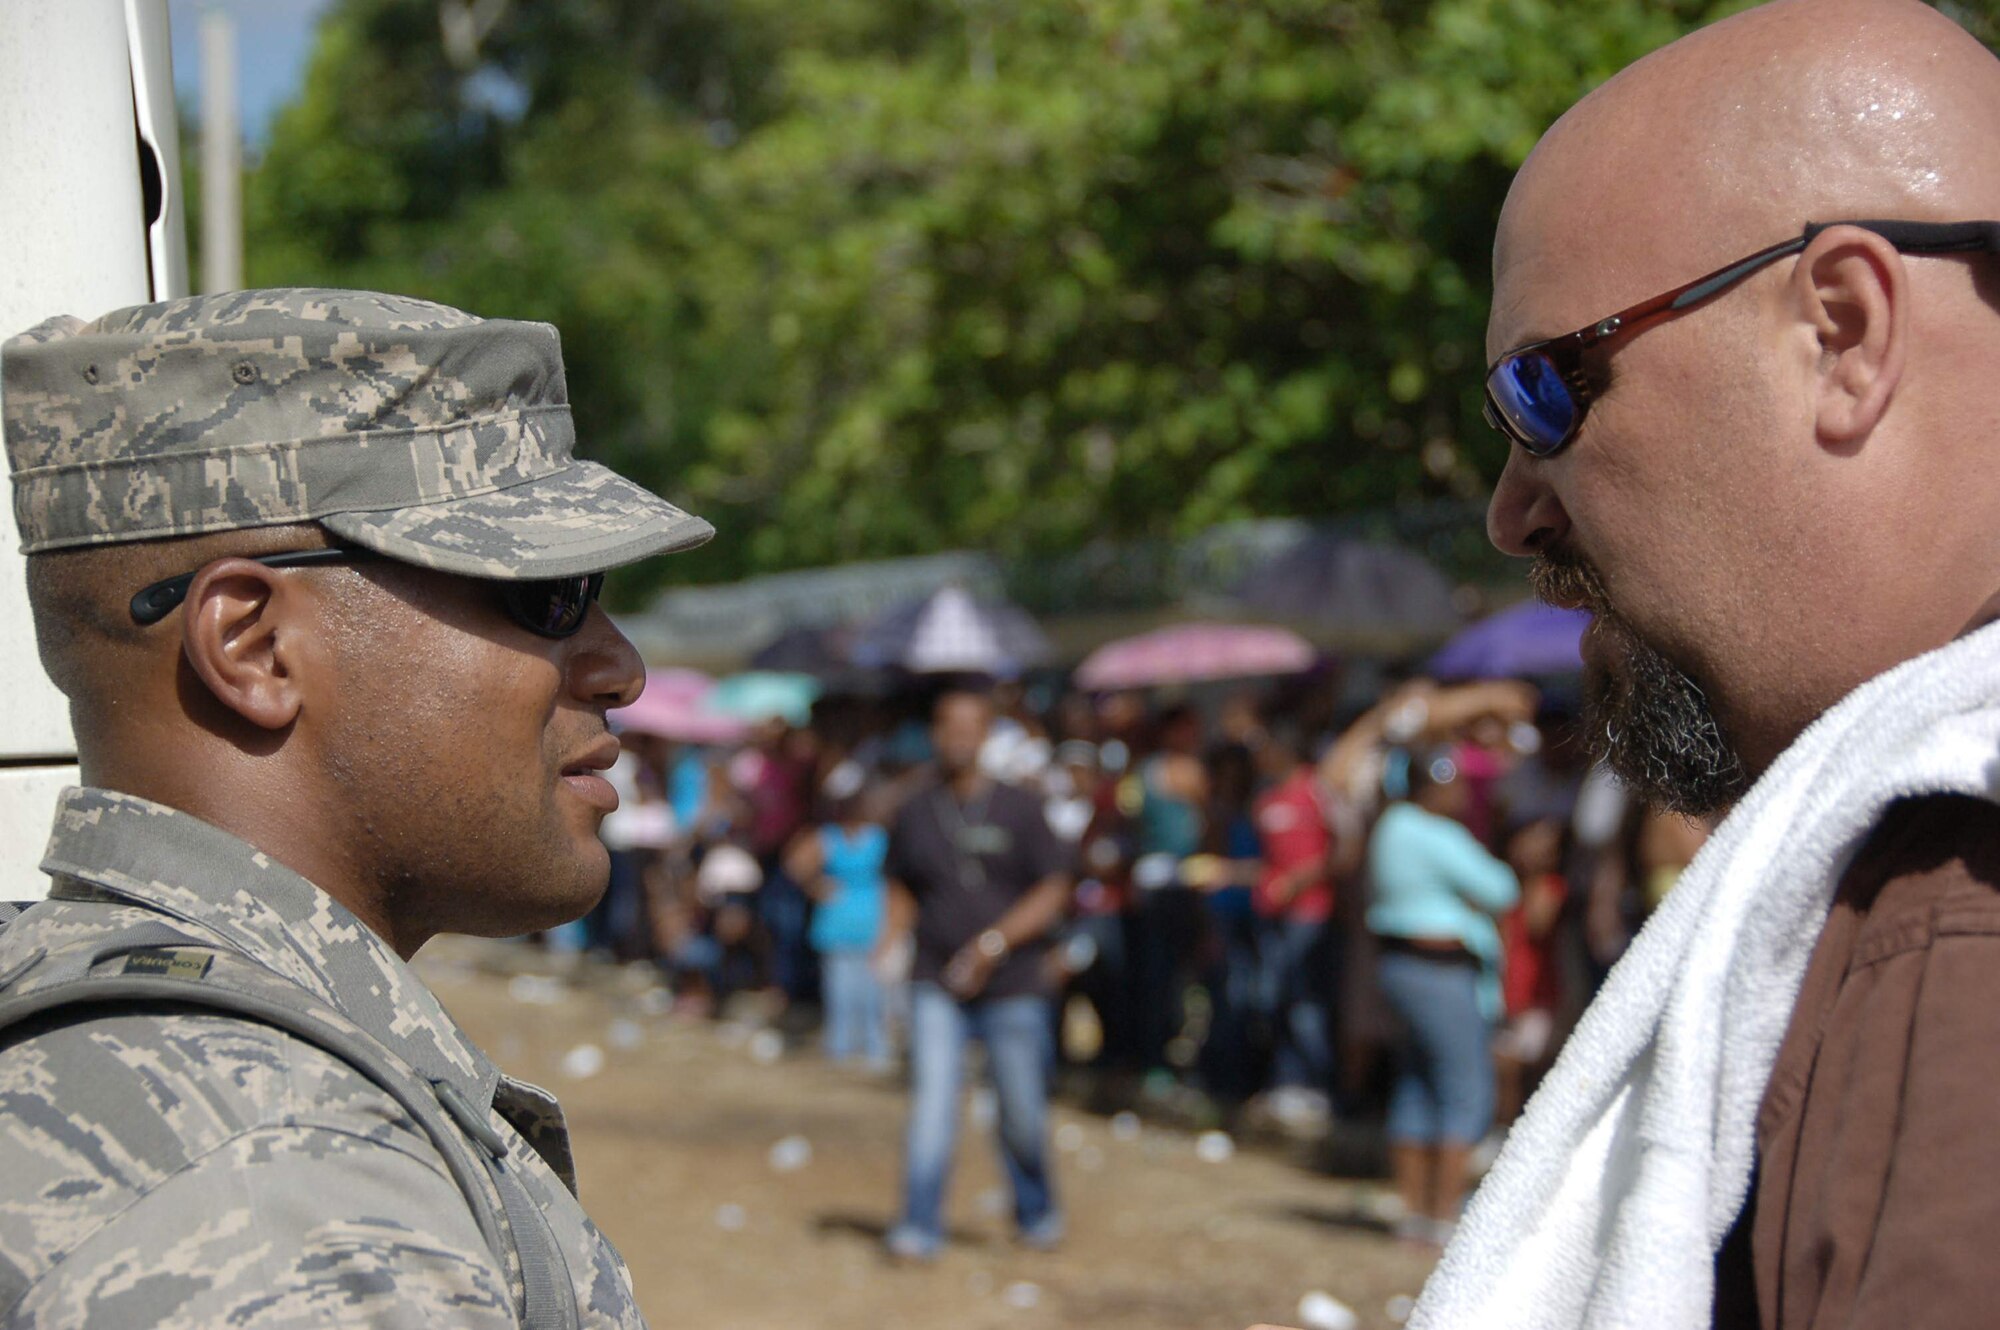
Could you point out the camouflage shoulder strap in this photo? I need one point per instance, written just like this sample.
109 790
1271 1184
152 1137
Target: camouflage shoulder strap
167 968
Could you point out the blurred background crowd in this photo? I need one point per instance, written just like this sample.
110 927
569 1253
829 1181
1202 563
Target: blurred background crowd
1118 360
1335 899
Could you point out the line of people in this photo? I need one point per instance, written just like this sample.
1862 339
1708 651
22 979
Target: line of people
1395 920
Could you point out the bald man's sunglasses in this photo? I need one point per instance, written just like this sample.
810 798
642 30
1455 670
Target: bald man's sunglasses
549 607
1537 394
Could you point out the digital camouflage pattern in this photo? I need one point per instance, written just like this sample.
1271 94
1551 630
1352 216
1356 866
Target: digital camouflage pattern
173 1168
418 430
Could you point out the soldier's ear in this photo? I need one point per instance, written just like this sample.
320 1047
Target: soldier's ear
247 631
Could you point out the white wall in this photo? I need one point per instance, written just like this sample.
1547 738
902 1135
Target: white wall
75 240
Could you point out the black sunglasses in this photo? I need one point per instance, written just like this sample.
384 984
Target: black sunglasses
1537 394
550 607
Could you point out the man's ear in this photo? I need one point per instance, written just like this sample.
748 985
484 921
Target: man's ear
1854 288
242 634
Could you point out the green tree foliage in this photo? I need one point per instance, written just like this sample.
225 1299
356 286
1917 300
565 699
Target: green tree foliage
869 277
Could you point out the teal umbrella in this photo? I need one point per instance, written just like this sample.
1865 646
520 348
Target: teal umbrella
763 695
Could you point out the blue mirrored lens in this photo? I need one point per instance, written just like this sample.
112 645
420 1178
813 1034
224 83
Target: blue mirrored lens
1533 399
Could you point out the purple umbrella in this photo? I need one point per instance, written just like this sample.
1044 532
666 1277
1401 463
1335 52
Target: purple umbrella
1353 587
1529 639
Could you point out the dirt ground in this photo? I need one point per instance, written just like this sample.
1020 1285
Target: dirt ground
749 1191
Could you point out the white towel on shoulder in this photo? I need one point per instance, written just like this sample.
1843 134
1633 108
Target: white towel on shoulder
1629 1167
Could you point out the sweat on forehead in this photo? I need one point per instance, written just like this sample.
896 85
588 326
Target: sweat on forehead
1736 136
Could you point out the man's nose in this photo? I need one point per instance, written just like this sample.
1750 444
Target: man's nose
605 669
1525 516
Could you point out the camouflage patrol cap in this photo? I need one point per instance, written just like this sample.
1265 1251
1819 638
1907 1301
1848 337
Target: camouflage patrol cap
417 430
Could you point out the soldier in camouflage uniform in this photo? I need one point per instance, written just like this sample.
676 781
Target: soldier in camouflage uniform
298 770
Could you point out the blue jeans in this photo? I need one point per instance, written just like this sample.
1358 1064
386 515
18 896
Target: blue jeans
1299 974
1107 985
1228 1057
1168 926
617 922
1444 1065
1015 1031
856 1025
786 912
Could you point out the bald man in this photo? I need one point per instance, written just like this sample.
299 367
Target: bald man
1745 342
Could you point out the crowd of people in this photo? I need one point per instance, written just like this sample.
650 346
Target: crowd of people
326 627
1299 918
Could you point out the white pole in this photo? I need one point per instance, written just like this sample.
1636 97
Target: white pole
148 29
221 157
73 233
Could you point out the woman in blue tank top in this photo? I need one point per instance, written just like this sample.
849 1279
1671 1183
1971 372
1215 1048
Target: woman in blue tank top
840 866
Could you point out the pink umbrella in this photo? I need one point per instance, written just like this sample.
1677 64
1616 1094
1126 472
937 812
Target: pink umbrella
1191 652
674 707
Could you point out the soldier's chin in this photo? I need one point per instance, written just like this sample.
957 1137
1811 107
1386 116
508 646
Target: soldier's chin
592 879
553 899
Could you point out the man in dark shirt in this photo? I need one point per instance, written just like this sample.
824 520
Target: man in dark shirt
978 875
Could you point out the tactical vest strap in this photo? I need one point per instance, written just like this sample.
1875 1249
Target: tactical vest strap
169 969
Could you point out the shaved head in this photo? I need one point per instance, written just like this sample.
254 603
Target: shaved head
1801 110
1780 493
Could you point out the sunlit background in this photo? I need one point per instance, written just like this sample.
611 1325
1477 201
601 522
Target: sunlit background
992 336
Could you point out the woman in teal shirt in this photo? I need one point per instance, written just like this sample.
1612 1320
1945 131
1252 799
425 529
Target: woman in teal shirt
1435 893
840 867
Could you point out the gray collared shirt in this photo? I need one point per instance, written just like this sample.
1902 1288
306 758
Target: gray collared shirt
177 1168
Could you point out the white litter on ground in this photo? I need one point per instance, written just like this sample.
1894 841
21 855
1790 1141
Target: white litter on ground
535 990
791 1154
731 1218
1069 1137
655 1001
984 1108
1323 1311
766 1047
1214 1147
992 1201
1398 1308
1384 1207
1022 1296
625 1034
583 1062
1125 1126
1090 1159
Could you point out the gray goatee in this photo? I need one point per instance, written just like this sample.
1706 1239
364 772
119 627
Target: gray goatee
1643 716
